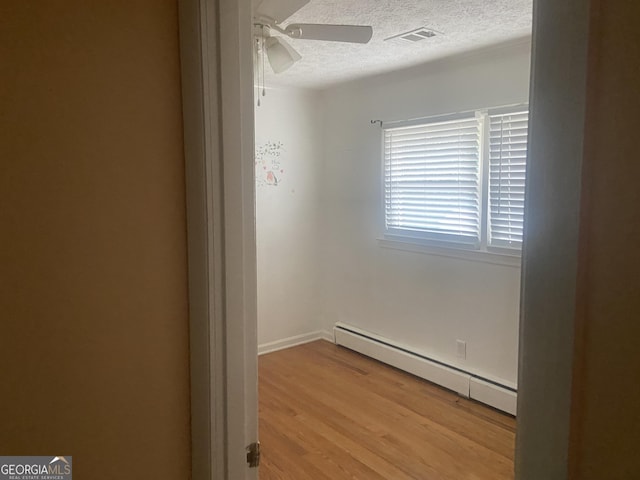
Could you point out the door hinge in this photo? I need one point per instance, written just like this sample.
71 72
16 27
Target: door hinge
253 455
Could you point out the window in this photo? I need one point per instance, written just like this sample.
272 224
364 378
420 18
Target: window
507 165
432 180
438 190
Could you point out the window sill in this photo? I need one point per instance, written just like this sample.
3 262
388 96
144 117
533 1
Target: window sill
422 247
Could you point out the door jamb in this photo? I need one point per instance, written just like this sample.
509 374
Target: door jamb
218 136
552 251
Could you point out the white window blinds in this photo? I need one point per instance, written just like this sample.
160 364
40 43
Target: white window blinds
507 160
432 180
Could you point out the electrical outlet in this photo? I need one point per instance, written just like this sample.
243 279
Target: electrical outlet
461 349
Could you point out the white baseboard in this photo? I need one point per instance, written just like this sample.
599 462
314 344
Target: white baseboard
294 341
438 374
328 336
464 383
491 394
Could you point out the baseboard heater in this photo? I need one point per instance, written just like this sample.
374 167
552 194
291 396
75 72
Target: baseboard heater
464 383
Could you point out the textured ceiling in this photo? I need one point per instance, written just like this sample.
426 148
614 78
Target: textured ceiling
465 25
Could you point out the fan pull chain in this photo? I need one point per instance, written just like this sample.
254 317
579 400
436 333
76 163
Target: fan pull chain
264 90
260 63
256 70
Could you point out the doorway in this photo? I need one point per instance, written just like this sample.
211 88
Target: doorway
569 43
349 253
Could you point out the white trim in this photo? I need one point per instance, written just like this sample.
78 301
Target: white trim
200 101
329 336
216 62
560 61
486 389
419 121
420 246
294 341
491 394
240 277
438 374
447 117
429 355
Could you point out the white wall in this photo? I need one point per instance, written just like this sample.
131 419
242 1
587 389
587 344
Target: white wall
423 301
319 261
287 216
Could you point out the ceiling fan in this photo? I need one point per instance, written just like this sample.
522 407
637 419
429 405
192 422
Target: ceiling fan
268 17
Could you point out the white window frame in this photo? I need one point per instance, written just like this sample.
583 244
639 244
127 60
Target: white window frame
435 245
436 238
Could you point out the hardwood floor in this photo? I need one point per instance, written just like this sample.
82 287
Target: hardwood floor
329 413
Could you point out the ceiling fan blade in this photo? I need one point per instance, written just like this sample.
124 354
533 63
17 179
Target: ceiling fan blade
279 10
331 33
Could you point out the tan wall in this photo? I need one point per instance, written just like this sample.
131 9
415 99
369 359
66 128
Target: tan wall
606 419
93 289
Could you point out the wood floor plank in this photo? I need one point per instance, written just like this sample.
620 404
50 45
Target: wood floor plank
437 444
328 412
395 401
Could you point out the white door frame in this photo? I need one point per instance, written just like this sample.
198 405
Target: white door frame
216 61
218 123
552 252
